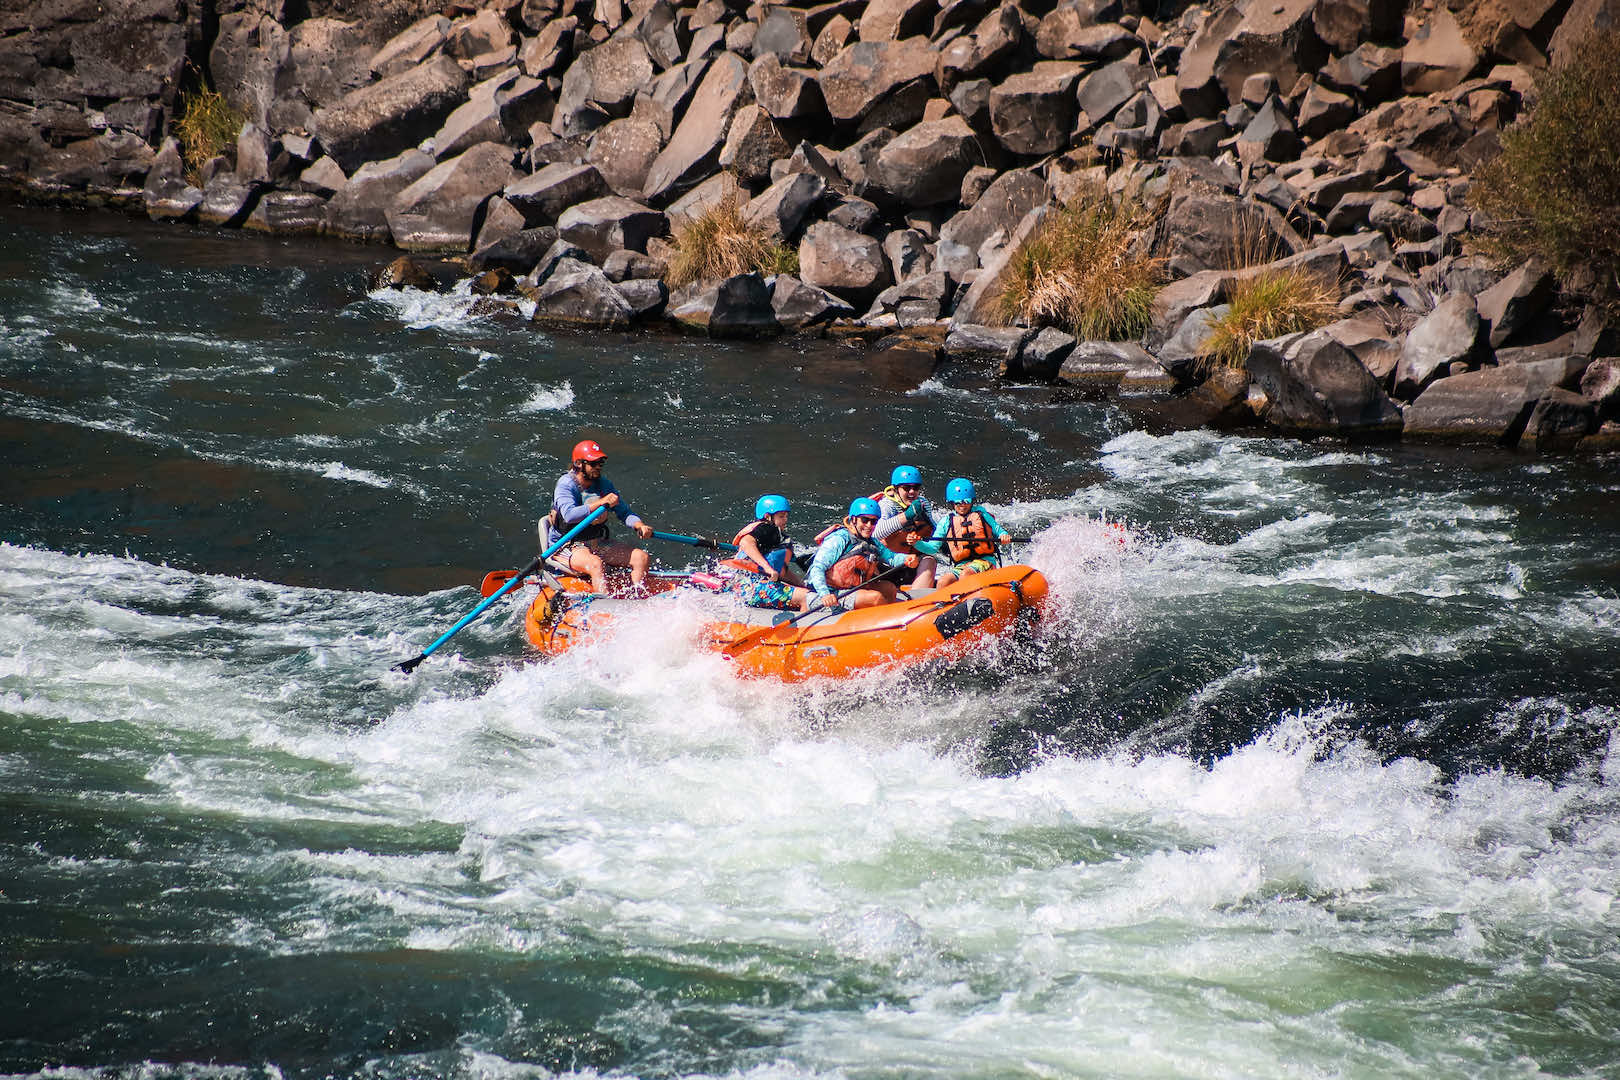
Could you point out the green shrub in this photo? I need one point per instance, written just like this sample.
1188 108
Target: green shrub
1554 191
1269 304
208 124
719 244
1085 270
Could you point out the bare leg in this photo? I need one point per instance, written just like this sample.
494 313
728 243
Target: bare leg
925 575
582 560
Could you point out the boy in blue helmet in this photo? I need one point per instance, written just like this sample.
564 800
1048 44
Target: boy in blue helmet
908 518
849 558
969 534
760 573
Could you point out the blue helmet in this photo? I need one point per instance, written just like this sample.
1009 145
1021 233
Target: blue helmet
770 504
959 490
865 508
905 474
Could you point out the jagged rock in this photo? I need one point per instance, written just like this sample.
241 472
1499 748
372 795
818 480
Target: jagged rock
1600 384
625 265
975 183
480 35
1451 334
695 147
1197 138
1371 72
623 151
890 20
227 201
666 33
500 220
1235 43
781 208
981 303
907 252
785 93
167 194
784 34
601 85
997 344
121 54
543 196
855 214
1041 357
848 263
752 144
1582 18
324 177
1516 301
1323 110
288 213
1438 56
1315 386
1345 24
602 226
1397 222
798 306
925 164
1206 230
875 84
855 162
359 209
410 47
575 293
1002 206
738 307
1221 401
834 36
517 252
1369 341
1270 136
1101 93
1559 421
1033 112
1186 351
1179 299
996 40
550 50
403 273
645 296
438 211
1112 366
385 118
1492 403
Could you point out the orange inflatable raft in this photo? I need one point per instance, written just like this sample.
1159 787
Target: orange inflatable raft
944 623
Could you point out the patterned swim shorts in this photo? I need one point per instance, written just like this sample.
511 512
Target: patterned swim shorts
974 566
756 590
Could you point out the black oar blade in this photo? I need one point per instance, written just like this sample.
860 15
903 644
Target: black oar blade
408 666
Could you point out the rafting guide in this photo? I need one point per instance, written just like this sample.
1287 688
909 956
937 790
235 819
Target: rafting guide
580 490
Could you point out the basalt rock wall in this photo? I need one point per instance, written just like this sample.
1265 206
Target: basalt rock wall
904 148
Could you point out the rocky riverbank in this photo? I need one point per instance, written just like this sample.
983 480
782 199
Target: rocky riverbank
904 149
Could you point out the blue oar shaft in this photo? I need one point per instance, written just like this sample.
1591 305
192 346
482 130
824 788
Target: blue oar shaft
508 587
695 541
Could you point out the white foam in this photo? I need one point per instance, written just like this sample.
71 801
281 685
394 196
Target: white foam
549 398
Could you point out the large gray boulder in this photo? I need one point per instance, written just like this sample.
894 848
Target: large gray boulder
601 85
1514 302
387 117
1315 386
798 306
1273 38
981 304
1439 56
1493 403
602 226
439 211
847 263
542 196
1114 366
880 83
575 293
983 53
1559 421
738 307
1002 206
973 342
695 148
1450 334
925 164
623 151
753 142
1033 112
359 209
786 93
781 208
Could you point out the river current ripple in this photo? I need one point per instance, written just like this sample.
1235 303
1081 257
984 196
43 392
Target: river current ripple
1316 776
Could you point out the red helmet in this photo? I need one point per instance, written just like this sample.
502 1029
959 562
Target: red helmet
588 450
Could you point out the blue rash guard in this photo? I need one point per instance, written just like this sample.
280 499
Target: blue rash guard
569 501
936 546
841 545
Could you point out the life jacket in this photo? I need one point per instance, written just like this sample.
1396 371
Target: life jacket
596 530
905 540
973 539
776 556
856 568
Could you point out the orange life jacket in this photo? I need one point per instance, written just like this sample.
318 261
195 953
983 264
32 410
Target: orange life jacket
905 540
972 537
852 571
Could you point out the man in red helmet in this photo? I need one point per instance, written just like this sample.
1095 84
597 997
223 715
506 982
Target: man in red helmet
579 491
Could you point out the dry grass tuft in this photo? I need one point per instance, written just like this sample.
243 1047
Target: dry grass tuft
208 124
719 244
1085 270
1267 305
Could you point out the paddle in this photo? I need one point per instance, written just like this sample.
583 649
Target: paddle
408 666
748 640
695 541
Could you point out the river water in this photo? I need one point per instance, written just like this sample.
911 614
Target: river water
1315 776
